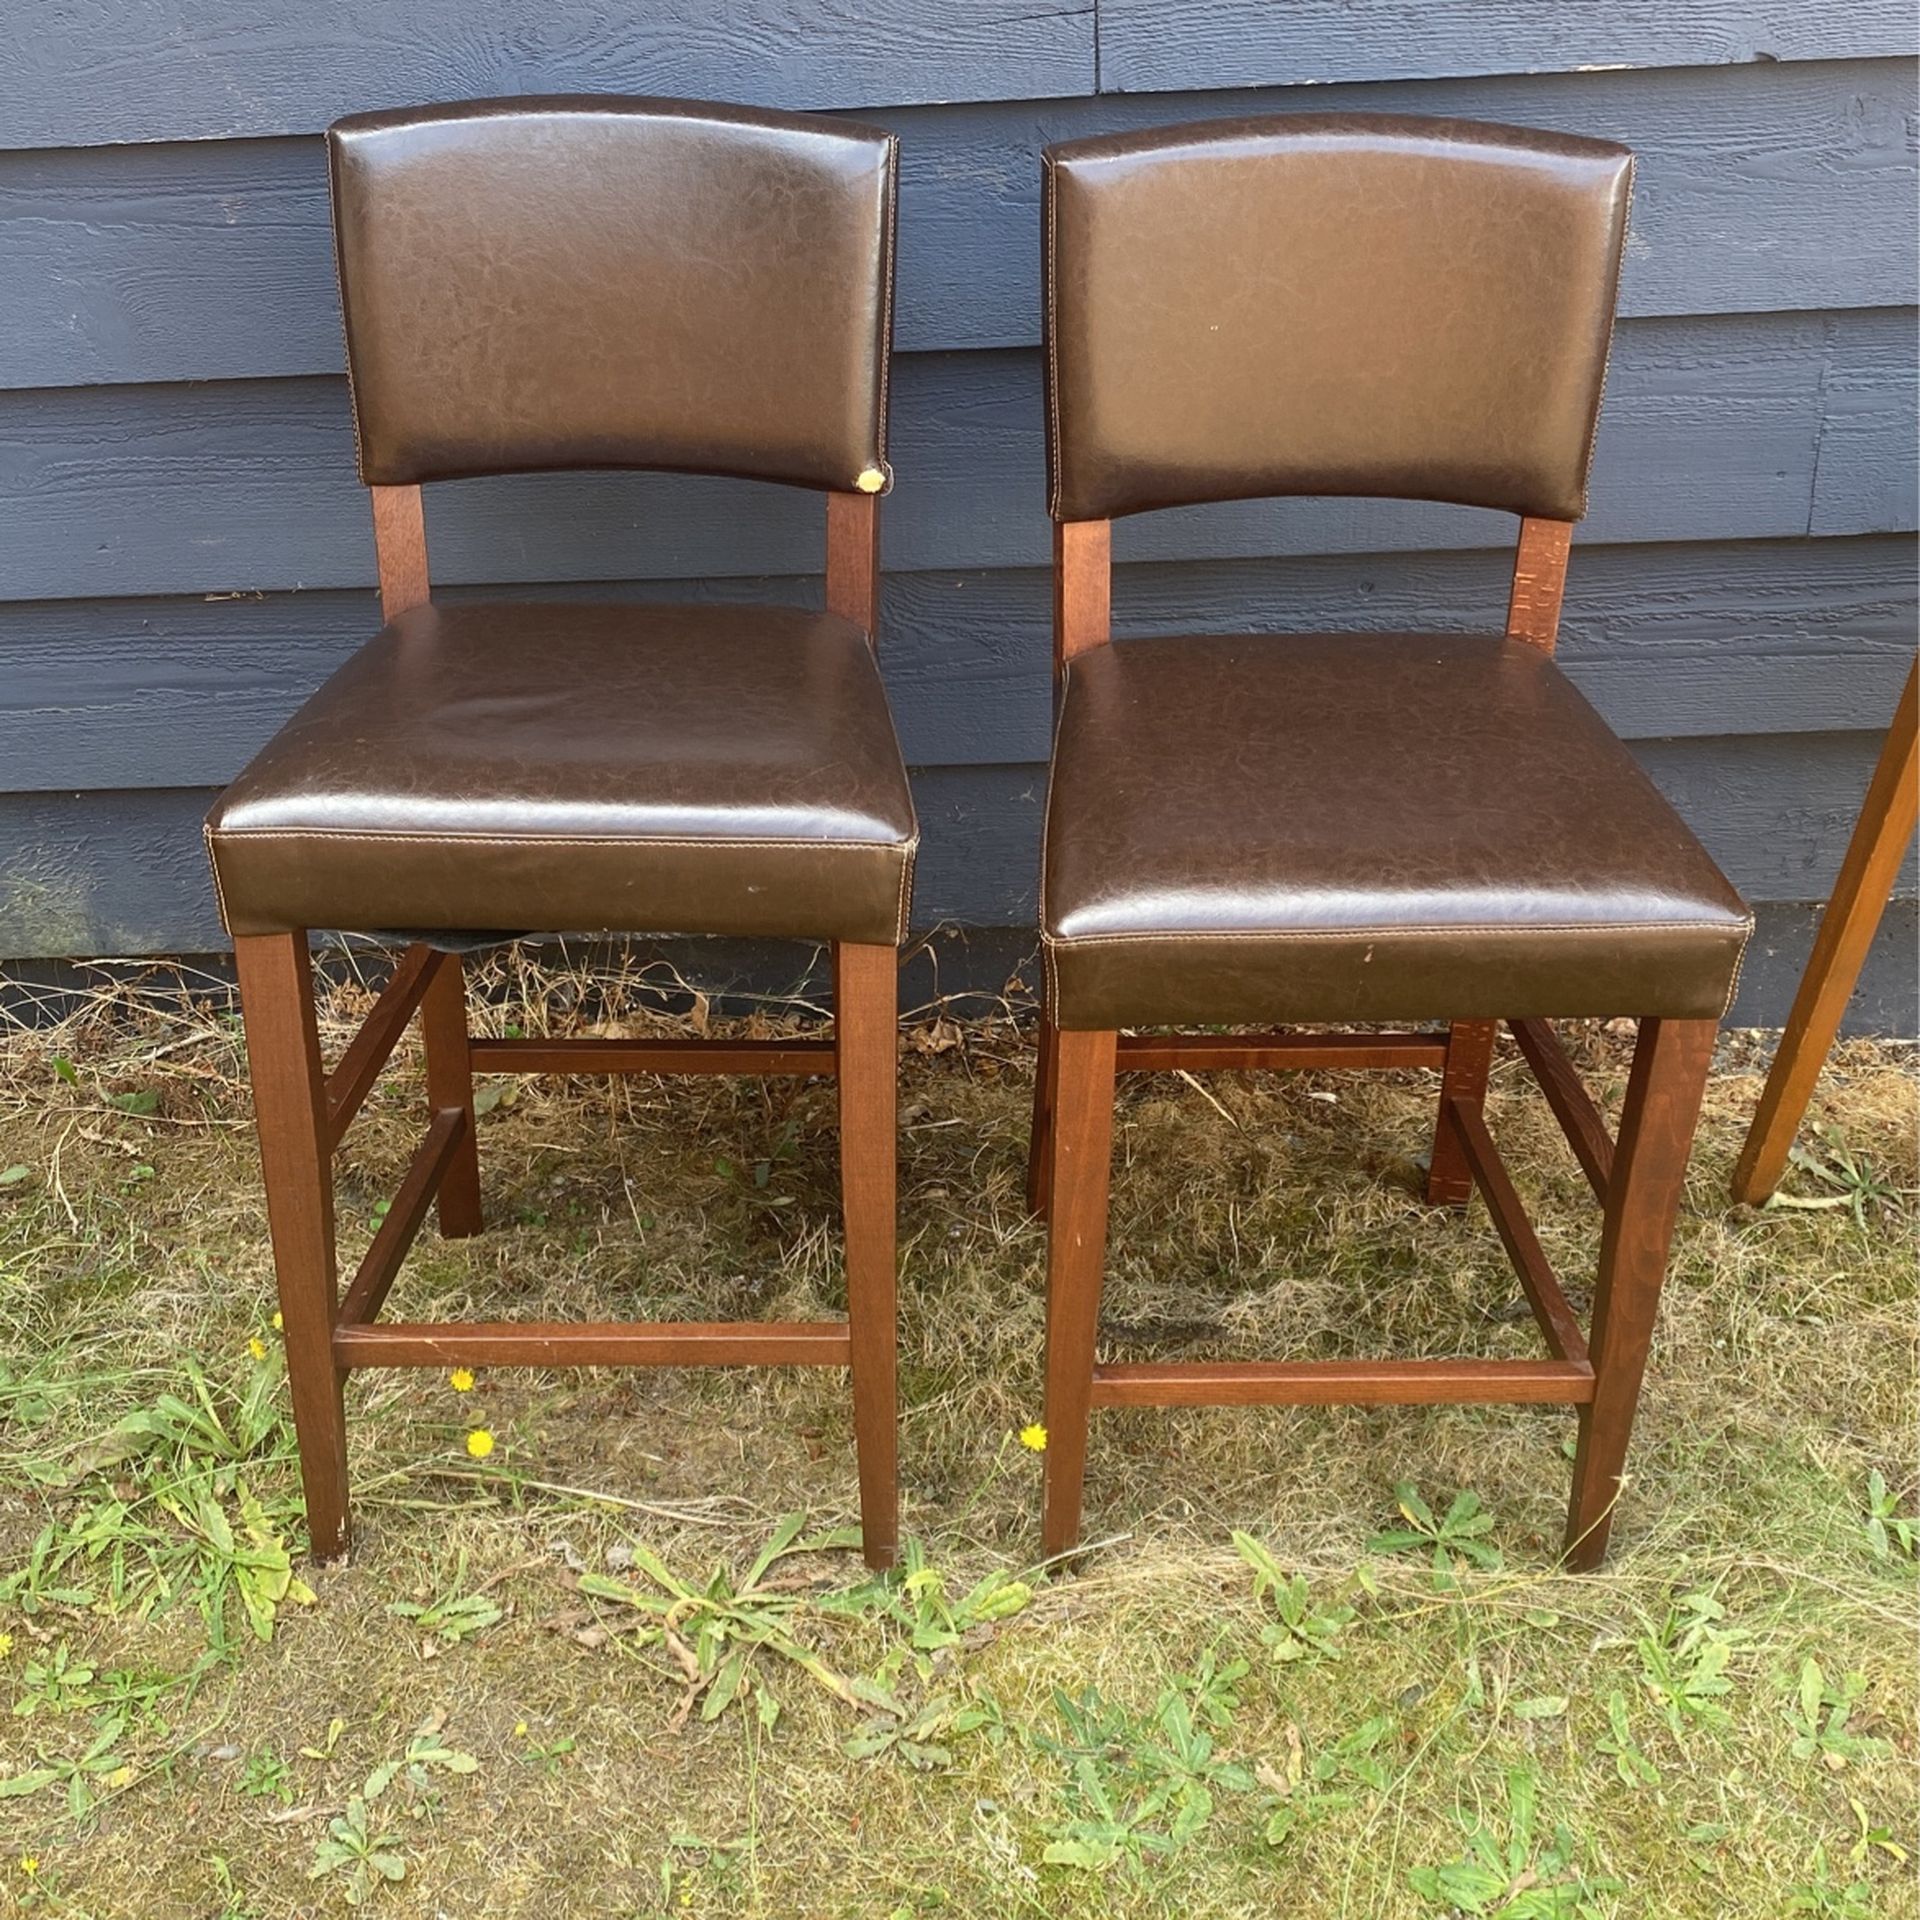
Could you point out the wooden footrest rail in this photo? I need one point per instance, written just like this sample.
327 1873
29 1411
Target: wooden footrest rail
1339 1383
1263 1052
653 1056
671 1343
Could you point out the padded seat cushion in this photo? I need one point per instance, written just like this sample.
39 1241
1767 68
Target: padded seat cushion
1360 827
707 770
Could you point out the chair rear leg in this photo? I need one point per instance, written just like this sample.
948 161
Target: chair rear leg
1469 1060
866 1028
1643 1199
290 1108
1079 1156
1046 1074
443 1026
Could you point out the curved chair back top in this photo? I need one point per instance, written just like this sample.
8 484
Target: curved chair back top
1329 304
586 282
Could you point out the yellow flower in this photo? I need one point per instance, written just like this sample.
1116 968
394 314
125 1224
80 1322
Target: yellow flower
479 1443
1034 1437
279 1325
120 1777
257 1347
519 1729
6 1645
29 1865
461 1379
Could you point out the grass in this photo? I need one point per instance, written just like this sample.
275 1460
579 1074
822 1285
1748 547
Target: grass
623 1663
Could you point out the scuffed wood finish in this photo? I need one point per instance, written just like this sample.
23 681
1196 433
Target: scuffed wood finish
1539 582
853 560
1664 1093
443 1032
1464 1078
765 1057
1046 1076
1080 1151
1580 1120
1867 875
290 1108
1556 1319
400 549
381 1264
1339 1383
667 1343
1082 587
370 1049
866 1017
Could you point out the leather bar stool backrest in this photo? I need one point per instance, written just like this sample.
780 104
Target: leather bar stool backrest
586 282
1329 304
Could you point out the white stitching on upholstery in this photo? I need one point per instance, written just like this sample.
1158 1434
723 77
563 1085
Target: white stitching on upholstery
1395 933
1739 967
219 892
715 843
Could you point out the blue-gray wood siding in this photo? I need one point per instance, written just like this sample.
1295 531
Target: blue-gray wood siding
184 552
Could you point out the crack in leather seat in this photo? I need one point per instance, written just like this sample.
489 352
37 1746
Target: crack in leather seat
1340 827
709 769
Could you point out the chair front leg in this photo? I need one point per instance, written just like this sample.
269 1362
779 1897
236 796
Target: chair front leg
290 1108
866 1027
1469 1061
443 1026
1079 1156
1669 1080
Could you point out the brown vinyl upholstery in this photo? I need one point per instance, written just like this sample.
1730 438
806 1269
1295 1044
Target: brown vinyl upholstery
1245 829
565 283
1329 304
1254 829
714 770
587 282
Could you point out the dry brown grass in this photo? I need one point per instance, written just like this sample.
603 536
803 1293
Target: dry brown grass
1276 1216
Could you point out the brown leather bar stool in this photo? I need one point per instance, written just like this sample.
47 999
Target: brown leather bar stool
1343 828
568 283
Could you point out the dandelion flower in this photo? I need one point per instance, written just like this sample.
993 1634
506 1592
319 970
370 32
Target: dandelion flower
279 1325
461 1379
29 1864
257 1347
1034 1437
479 1443
6 1645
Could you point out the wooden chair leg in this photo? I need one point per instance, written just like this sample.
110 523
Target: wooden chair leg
1079 1156
290 1108
1860 894
443 1026
1046 1074
1469 1061
866 1028
1643 1199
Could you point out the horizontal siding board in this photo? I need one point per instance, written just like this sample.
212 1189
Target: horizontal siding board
1710 433
93 71
1867 467
1757 636
124 872
1161 44
1759 189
